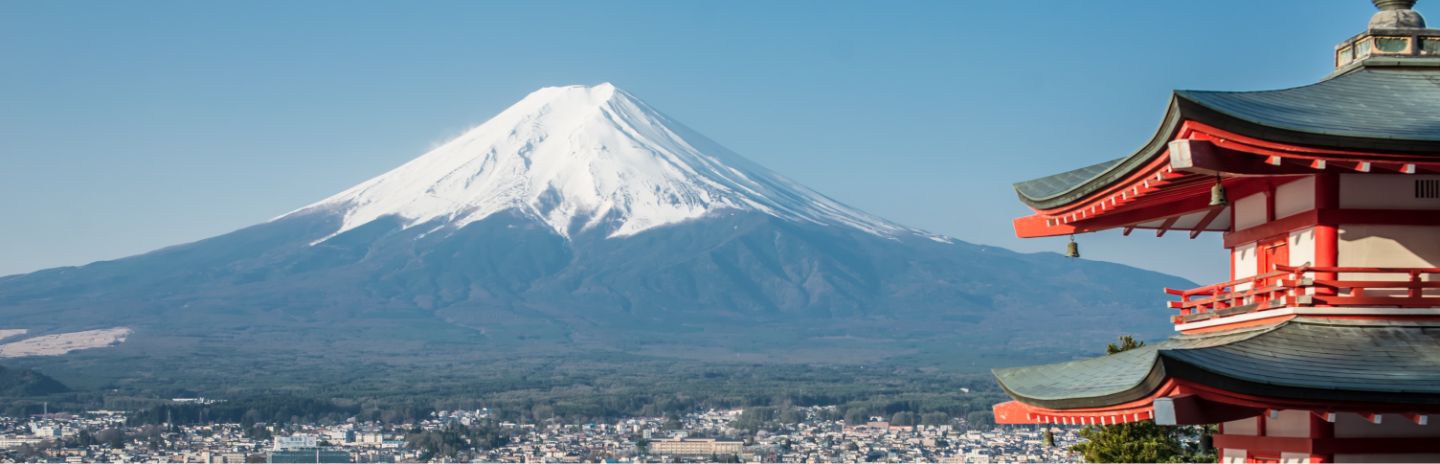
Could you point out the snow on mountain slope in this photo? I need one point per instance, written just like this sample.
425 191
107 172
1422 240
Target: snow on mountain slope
586 157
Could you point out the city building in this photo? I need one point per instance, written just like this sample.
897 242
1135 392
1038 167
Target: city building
296 442
209 457
311 455
11 442
694 446
1325 344
304 448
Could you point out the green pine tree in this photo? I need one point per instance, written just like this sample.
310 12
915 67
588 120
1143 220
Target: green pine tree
1133 442
1142 441
1127 343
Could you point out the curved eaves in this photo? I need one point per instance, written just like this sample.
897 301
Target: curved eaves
1095 382
1068 187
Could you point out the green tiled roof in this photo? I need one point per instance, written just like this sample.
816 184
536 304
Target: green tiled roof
1305 358
1060 183
1372 104
1380 109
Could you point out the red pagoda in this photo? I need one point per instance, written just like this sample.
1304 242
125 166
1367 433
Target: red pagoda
1325 344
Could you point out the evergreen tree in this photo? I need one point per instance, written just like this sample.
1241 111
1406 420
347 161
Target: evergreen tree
1126 343
1142 441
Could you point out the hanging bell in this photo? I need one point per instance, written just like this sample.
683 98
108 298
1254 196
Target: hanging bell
1217 195
1072 249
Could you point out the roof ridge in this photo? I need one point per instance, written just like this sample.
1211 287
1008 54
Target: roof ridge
1356 72
1337 322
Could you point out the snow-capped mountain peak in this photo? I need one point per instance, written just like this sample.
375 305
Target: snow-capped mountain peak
578 158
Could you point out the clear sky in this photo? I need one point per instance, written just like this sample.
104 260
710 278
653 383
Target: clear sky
129 126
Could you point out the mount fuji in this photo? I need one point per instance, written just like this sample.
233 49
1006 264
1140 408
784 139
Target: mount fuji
580 220
581 158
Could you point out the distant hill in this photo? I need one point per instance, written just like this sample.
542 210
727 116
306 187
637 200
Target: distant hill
579 222
19 383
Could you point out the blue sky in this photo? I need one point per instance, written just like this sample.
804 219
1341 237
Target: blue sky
129 126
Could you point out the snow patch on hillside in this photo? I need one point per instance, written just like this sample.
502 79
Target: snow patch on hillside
7 333
58 344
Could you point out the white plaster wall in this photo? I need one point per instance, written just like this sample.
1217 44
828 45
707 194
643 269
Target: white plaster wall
1389 246
1383 191
1302 251
1289 423
1302 246
1248 427
1233 456
1250 211
1294 458
1245 263
1351 425
1295 197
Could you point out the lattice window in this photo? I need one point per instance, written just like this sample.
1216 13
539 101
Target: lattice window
1427 188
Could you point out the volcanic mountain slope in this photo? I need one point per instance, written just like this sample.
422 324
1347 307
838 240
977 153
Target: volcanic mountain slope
582 219
578 158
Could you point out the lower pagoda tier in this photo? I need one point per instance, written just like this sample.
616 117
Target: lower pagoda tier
1323 365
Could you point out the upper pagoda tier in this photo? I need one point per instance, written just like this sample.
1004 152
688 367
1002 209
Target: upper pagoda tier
1328 195
1376 116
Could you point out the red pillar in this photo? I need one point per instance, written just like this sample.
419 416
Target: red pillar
1219 452
1321 431
1327 234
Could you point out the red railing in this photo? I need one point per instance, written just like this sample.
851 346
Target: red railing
1309 286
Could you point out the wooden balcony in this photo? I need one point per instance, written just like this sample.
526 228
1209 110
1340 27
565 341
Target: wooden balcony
1309 286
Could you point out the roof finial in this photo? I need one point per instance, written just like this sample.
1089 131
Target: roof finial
1396 14
1394 4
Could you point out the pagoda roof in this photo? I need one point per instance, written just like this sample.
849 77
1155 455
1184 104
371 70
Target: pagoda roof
1385 106
1307 359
